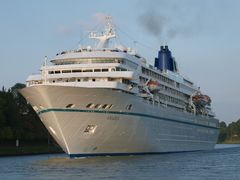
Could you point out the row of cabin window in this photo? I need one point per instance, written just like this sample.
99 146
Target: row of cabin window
162 104
86 70
99 106
93 61
155 75
171 99
174 91
186 88
162 87
89 61
86 79
34 82
105 106
91 105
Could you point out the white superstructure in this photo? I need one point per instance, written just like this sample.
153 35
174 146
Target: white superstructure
107 100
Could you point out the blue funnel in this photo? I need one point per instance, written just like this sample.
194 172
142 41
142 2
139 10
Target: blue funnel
165 60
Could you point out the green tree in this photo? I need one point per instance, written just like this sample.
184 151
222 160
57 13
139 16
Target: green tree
223 132
6 133
17 118
2 119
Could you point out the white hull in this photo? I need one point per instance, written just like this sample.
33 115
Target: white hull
143 129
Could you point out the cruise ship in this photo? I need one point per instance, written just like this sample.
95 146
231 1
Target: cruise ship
107 100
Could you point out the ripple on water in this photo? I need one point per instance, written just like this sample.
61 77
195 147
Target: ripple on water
221 163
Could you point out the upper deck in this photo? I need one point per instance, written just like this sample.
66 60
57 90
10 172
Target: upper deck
77 56
122 69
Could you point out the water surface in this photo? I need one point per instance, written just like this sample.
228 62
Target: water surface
221 163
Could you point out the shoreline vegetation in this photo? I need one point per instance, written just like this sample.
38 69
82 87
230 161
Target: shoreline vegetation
229 134
22 132
29 148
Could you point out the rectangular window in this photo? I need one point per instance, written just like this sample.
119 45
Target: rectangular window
87 70
66 71
76 70
104 70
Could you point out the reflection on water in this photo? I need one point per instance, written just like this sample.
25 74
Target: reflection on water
221 163
223 146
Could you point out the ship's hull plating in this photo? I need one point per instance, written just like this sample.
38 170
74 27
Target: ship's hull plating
145 128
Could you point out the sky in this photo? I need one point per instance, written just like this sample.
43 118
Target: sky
202 35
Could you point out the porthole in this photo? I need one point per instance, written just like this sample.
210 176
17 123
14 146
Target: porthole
129 107
70 106
109 106
105 106
91 105
97 106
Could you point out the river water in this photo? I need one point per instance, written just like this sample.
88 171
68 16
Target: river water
220 164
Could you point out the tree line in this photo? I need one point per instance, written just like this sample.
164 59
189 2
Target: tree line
17 118
229 133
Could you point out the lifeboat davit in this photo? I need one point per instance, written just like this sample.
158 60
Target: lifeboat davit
153 85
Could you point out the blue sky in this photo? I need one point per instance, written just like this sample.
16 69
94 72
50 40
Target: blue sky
203 36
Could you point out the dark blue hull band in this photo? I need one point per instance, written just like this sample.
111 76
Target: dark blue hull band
122 113
125 154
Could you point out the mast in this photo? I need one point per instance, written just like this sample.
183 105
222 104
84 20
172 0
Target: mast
105 36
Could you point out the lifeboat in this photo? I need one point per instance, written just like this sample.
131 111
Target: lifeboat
153 85
200 99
